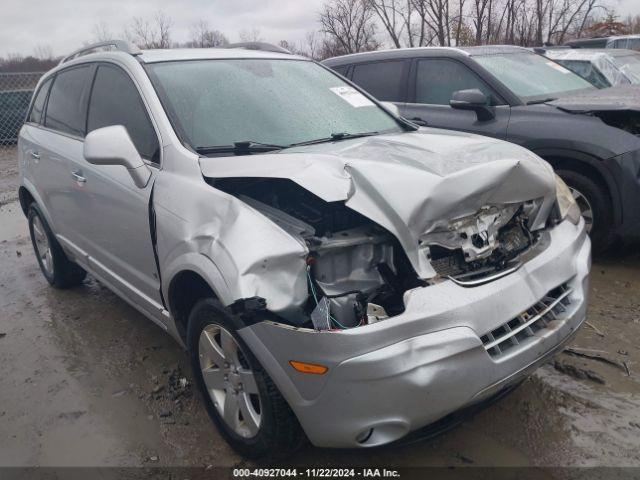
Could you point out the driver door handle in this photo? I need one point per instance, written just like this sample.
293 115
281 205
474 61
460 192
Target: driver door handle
77 176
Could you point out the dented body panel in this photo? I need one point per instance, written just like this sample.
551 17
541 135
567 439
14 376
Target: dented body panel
410 184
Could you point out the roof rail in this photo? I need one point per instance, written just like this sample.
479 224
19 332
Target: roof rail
263 46
108 45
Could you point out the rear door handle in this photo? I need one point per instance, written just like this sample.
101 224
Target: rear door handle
77 176
419 121
35 155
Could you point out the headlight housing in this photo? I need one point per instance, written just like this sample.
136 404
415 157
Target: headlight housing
567 207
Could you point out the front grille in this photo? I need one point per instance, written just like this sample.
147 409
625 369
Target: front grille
511 334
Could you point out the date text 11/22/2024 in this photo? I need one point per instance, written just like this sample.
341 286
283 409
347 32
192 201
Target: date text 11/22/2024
315 473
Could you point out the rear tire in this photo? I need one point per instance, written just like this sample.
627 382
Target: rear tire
56 267
273 430
592 198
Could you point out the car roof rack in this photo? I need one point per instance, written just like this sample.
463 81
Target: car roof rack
107 45
263 46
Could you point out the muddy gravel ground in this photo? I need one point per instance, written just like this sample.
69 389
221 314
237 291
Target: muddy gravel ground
85 380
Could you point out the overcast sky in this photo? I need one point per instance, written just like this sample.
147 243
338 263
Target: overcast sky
66 24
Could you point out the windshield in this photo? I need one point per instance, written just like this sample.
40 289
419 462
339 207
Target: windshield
277 102
532 77
629 65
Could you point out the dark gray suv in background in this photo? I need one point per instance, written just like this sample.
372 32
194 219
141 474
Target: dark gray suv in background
590 136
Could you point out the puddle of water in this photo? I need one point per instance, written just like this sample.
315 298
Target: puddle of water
14 223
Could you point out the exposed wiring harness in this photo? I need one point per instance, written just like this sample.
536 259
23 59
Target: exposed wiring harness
315 298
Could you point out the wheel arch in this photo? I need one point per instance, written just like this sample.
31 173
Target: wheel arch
185 289
590 166
26 198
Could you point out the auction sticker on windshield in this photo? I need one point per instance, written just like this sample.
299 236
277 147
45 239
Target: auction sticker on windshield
352 96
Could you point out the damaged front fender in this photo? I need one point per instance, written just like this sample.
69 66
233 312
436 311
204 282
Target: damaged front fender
235 248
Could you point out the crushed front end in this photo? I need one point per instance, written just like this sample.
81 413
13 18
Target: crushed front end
452 346
431 285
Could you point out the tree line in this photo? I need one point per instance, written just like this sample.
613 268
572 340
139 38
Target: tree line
352 26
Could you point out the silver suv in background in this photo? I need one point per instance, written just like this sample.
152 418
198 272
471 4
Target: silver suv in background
333 270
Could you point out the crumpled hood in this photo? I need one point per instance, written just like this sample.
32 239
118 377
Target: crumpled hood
621 98
409 183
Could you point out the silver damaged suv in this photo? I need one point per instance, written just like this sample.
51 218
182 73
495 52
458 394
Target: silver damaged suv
334 271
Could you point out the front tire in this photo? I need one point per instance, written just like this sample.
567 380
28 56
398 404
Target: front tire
56 267
239 395
595 207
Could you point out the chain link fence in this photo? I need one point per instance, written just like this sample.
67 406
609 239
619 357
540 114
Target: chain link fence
15 94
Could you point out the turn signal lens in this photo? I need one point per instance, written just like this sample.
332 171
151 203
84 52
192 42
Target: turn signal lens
303 367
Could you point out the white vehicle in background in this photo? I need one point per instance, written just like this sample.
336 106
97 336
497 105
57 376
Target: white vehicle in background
602 68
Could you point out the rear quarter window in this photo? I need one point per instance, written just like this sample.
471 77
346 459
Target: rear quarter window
38 104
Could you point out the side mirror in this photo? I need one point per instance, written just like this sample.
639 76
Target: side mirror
113 146
473 100
392 107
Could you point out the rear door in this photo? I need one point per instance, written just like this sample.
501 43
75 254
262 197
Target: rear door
53 140
433 81
112 213
30 149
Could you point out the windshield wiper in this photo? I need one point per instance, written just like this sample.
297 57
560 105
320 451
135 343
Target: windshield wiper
240 148
543 100
334 138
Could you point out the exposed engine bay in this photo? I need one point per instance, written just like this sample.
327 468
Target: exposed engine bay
357 272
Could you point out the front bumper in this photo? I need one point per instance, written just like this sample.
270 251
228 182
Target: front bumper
395 376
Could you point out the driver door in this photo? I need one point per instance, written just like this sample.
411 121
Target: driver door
112 214
433 81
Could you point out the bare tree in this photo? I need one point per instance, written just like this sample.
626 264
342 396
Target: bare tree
392 14
202 36
43 52
101 32
435 15
312 45
150 34
253 35
349 26
459 22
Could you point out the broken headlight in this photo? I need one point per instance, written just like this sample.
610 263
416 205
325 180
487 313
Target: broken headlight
567 206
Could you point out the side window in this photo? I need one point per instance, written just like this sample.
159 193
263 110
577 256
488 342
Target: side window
383 80
67 105
622 43
342 69
38 104
115 101
633 44
437 80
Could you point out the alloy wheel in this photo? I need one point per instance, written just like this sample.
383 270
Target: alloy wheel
229 380
585 208
42 246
